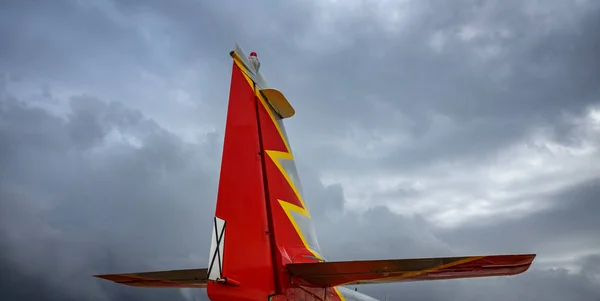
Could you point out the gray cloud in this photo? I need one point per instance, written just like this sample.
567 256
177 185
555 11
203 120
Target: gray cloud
112 114
562 236
453 104
74 192
567 227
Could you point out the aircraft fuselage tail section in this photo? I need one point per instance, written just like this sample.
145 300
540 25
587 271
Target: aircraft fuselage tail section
261 214
263 246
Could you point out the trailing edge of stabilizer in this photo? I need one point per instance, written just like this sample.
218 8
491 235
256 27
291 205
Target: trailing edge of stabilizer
328 274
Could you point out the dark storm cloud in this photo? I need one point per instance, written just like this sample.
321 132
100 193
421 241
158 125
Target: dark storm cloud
540 66
570 225
66 40
568 218
107 189
381 233
75 203
541 70
552 234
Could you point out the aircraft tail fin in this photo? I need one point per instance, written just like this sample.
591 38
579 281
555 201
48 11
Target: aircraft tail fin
193 278
326 274
241 246
261 220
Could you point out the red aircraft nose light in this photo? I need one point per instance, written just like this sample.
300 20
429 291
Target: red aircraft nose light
253 54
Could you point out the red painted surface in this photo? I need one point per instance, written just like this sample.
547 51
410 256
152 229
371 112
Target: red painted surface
241 202
405 270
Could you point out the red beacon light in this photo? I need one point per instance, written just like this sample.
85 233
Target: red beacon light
254 60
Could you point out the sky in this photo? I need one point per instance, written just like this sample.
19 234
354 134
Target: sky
422 128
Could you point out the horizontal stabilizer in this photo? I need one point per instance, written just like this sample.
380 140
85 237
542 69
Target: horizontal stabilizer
326 274
177 278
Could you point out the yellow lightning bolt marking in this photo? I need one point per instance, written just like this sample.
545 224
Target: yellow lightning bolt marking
276 156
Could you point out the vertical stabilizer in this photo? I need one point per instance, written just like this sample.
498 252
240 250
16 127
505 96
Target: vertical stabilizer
262 222
241 247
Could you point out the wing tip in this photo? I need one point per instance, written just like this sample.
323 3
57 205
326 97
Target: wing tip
117 278
527 262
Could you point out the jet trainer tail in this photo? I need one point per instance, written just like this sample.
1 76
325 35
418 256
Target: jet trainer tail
261 220
263 242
